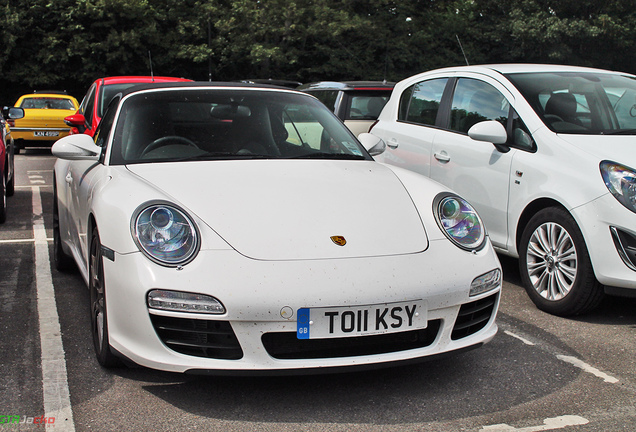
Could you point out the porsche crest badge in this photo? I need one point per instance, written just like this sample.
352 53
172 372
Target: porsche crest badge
339 240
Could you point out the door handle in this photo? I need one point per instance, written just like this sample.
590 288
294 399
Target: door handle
392 143
442 156
69 178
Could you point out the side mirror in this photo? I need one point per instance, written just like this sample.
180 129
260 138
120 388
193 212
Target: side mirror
75 120
12 113
15 113
489 131
374 145
76 147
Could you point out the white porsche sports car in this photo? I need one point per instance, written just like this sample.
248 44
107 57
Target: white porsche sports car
236 229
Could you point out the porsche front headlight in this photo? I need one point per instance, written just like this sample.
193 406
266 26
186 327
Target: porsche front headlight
621 182
165 234
459 221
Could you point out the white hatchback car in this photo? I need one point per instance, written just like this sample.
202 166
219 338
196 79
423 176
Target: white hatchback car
547 156
244 229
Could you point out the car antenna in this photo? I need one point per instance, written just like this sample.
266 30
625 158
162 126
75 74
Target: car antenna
462 48
152 75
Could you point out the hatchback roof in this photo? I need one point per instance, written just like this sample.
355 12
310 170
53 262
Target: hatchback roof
348 85
507 68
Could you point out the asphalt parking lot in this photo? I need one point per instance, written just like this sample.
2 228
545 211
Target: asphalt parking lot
539 373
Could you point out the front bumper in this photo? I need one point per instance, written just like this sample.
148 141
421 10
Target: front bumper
597 221
257 334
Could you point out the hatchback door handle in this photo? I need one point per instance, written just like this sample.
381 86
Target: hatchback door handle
69 178
392 143
442 156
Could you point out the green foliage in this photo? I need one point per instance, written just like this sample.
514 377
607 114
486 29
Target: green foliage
66 44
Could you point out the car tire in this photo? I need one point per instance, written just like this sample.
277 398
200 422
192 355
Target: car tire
555 265
10 188
3 198
61 259
99 311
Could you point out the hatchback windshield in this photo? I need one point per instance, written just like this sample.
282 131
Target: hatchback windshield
581 103
198 124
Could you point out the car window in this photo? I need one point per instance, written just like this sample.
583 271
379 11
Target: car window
229 124
424 101
107 94
47 103
87 106
475 101
327 97
365 105
581 102
103 130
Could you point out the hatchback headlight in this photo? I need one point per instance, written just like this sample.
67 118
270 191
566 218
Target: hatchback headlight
459 221
621 182
165 234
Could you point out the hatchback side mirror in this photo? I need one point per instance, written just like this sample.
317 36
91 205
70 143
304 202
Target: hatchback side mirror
490 131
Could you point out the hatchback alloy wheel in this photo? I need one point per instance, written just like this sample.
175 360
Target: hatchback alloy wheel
555 265
552 261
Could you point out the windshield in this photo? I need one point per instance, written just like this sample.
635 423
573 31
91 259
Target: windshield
203 123
581 102
108 91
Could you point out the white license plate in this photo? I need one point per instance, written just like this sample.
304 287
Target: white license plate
348 321
46 133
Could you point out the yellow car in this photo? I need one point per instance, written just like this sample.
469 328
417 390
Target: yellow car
43 121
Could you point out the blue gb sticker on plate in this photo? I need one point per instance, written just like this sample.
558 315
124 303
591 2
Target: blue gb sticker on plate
302 329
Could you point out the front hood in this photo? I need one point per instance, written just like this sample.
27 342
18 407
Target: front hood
289 210
44 118
617 148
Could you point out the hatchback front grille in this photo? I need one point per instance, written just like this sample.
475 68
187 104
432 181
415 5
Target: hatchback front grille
200 338
473 317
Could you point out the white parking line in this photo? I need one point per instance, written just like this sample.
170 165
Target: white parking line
49 239
548 424
571 360
525 341
587 368
57 402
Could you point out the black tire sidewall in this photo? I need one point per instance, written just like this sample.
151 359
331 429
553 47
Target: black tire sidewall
3 198
586 292
102 350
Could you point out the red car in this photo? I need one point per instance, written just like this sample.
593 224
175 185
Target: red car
98 96
7 174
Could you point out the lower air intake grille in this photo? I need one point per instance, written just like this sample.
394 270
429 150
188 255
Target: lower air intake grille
200 338
473 317
286 346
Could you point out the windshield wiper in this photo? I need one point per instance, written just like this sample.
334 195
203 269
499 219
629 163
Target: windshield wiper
620 132
222 156
321 155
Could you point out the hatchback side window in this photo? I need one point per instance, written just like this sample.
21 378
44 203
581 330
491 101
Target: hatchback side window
475 101
425 101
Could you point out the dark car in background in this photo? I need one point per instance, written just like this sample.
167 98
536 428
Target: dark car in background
357 103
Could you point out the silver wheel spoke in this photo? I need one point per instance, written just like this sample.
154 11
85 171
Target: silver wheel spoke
551 261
